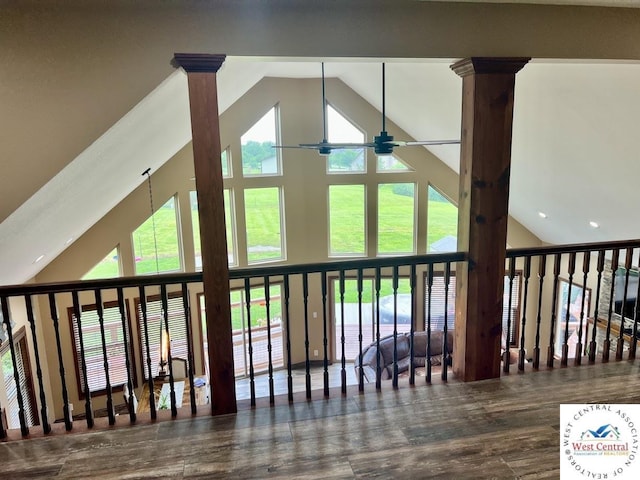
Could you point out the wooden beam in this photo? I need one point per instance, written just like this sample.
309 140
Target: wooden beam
205 127
483 209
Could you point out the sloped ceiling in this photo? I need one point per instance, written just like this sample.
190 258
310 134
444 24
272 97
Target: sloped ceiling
575 147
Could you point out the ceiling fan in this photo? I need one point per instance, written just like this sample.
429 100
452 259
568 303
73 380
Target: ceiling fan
382 144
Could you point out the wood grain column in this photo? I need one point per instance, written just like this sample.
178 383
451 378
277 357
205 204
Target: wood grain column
205 127
483 209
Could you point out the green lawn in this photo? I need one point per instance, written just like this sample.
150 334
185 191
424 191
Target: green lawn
347 232
346 221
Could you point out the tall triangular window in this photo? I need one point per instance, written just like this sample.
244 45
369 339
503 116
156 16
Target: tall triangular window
391 163
341 130
442 223
108 267
259 158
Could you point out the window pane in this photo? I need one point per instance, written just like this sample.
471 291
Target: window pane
511 298
258 155
346 219
263 224
165 238
442 223
396 218
230 227
389 163
108 267
92 343
155 324
224 158
341 130
259 331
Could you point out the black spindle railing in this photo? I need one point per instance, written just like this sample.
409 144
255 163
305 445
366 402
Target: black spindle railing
190 373
65 394
523 325
88 410
252 382
594 331
46 426
606 347
287 294
542 266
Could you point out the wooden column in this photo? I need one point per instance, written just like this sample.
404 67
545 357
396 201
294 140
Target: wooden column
483 208
205 127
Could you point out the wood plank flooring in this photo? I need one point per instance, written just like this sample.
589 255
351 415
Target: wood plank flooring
502 429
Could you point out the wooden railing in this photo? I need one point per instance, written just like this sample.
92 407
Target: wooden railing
320 315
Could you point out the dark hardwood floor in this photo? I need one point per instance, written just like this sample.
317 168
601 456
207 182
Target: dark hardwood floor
506 428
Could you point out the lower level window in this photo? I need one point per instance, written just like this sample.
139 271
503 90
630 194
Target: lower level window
94 332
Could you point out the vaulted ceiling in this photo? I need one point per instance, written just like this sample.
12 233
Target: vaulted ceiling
70 155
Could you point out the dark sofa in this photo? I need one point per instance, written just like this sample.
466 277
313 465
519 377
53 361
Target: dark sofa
368 362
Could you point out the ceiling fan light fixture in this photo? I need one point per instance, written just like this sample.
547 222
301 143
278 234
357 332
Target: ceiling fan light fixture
324 150
383 143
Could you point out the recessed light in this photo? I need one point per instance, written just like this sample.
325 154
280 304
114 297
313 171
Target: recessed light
593 224
39 258
69 240
542 215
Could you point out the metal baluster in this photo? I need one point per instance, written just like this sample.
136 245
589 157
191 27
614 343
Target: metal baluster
554 299
46 426
565 345
506 357
627 267
165 318
606 346
445 329
24 428
360 338
527 274
343 360
247 300
307 363
126 334
105 356
586 259
288 338
542 266
394 381
429 289
65 394
378 366
593 344
412 367
88 410
267 300
190 363
325 334
145 323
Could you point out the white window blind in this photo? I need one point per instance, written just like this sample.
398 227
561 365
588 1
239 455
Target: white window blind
92 340
438 304
155 324
26 387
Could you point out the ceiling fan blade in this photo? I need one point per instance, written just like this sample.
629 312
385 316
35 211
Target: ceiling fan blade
425 142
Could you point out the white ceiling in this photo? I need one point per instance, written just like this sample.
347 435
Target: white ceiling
575 147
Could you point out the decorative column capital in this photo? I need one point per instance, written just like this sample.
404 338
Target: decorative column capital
198 62
498 65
